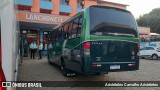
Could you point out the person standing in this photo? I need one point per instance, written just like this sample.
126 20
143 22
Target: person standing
33 48
40 47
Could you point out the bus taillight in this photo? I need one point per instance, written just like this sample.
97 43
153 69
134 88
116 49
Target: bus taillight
132 64
86 47
96 65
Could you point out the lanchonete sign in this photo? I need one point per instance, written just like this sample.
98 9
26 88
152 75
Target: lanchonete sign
40 18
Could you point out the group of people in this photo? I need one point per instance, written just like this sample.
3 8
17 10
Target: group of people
34 47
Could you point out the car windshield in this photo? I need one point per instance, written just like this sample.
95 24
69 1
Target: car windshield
158 48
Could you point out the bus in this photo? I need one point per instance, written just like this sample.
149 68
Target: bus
98 40
9 44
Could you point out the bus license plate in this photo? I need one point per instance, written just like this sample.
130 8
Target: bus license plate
114 66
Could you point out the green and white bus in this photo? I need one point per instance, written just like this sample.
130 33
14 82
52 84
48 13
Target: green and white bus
98 40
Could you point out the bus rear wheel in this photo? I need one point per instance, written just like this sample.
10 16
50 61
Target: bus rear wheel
66 72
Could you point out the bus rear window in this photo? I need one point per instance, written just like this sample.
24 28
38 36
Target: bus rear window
112 22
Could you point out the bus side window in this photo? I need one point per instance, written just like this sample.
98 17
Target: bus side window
70 29
75 27
55 35
65 29
51 36
59 33
62 33
79 28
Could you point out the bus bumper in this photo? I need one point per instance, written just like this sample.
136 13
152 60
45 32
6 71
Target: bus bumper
105 68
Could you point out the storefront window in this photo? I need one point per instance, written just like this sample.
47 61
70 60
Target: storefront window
64 2
31 35
46 0
79 5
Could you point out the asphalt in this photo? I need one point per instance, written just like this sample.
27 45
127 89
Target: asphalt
40 70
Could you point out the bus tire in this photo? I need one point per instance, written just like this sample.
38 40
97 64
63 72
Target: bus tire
155 56
97 74
66 72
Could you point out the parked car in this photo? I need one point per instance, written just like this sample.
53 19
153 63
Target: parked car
150 52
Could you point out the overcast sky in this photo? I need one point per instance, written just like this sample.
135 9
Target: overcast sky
139 7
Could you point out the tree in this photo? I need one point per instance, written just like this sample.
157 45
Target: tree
143 20
151 20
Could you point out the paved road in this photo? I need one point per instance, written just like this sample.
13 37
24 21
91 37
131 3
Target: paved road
40 70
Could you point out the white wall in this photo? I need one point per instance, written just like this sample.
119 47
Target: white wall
9 36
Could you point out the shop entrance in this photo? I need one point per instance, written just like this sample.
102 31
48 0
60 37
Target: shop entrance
27 37
35 32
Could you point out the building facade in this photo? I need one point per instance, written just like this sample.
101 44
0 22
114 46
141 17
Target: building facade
37 17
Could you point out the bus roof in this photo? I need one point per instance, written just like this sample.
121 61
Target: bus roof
110 7
101 6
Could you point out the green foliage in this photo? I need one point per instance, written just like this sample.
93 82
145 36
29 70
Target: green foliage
151 20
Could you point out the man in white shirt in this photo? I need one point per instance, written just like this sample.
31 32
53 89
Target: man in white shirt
33 47
40 47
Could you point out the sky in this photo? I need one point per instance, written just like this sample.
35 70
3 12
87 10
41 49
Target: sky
139 7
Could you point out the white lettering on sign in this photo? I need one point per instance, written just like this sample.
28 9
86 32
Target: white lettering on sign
44 18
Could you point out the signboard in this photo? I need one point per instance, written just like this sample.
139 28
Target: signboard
147 44
40 17
144 30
